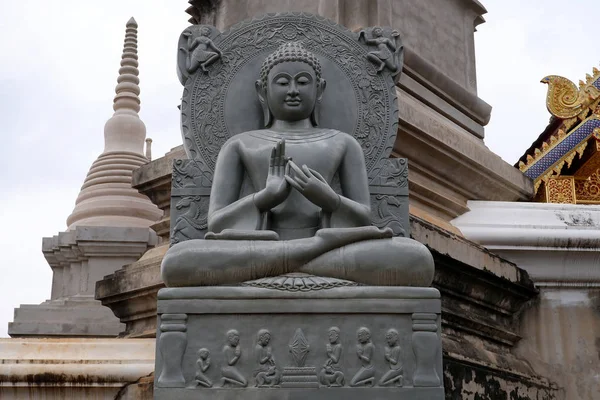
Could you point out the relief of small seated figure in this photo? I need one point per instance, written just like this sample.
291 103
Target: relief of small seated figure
331 374
202 365
393 354
291 219
232 352
267 374
364 350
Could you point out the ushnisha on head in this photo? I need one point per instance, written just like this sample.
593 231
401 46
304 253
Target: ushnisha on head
290 85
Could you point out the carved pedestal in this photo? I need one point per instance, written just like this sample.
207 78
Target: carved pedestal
283 338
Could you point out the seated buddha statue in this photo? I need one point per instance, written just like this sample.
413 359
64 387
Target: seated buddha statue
274 208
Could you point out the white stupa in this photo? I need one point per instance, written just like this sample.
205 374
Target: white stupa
106 197
108 229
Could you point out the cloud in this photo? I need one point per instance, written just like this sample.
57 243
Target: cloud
520 43
58 72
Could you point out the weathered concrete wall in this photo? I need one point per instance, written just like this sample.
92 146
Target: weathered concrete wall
559 245
440 32
472 382
57 369
561 329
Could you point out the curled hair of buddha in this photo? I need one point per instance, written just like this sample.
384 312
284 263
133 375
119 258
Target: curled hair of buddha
289 52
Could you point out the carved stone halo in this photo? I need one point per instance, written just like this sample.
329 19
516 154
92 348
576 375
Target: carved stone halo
358 100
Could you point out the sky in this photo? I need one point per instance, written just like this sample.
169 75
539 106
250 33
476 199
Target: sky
58 67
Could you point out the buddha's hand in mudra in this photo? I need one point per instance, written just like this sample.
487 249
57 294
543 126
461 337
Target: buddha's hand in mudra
276 188
313 186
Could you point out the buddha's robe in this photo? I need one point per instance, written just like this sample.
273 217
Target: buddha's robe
296 236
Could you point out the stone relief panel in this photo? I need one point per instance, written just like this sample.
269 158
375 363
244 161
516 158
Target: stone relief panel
388 52
196 50
316 354
389 197
190 195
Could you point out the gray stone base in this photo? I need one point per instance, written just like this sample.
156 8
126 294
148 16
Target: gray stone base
344 393
83 317
285 350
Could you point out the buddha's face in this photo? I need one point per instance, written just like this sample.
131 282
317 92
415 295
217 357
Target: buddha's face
292 91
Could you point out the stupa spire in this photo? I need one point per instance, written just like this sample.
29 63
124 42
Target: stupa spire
125 130
106 197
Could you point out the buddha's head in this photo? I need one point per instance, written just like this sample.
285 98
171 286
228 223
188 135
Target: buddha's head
290 85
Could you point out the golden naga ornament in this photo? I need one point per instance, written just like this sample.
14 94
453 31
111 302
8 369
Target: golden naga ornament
565 100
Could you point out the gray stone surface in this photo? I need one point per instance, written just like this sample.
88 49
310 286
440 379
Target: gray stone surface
284 342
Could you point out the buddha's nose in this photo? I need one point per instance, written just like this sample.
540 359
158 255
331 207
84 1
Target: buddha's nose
293 90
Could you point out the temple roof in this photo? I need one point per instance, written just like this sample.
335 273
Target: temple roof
570 143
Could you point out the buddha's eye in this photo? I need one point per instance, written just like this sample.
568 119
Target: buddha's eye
303 80
282 81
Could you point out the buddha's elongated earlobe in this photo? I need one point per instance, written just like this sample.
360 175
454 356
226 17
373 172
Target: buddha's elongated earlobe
314 117
262 97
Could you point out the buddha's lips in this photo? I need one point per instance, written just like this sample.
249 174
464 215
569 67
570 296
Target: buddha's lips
294 102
